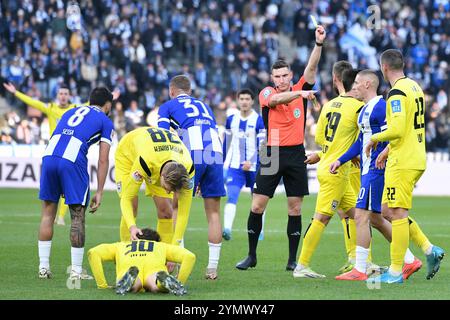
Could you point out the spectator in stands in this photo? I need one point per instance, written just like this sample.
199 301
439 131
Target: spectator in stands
133 116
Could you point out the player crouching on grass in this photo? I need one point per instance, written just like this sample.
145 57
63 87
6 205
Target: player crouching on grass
141 264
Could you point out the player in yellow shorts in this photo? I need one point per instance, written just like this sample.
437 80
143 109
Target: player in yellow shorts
348 224
158 158
336 130
54 111
405 116
141 264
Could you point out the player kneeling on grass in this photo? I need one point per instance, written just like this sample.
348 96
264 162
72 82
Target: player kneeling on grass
141 264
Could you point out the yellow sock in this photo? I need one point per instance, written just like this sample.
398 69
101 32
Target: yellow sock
417 236
399 244
310 242
369 257
62 208
165 230
124 232
349 227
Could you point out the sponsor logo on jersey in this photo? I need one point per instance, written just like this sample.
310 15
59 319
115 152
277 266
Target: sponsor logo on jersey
137 176
395 105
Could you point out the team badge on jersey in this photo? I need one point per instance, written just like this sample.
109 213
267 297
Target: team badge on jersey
191 184
297 113
137 176
334 204
395 105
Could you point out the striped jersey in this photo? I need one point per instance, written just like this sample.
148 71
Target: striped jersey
78 129
371 120
242 139
194 121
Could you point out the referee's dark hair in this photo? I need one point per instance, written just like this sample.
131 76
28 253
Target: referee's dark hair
393 58
339 68
246 91
348 77
149 234
100 96
280 64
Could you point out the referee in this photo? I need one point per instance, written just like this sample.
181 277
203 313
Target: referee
284 113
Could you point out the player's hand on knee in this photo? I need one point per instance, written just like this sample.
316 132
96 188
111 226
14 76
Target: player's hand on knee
134 231
95 202
198 192
312 158
334 166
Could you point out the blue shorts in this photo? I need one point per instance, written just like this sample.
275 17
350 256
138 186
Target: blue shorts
239 178
210 179
371 192
62 177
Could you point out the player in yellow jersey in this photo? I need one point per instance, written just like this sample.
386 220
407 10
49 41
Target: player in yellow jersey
141 264
348 225
405 116
157 157
336 130
54 111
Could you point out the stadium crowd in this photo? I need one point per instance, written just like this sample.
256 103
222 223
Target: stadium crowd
223 46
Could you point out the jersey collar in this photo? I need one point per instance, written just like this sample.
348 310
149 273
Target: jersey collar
404 77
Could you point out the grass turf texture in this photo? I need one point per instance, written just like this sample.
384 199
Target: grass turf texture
19 223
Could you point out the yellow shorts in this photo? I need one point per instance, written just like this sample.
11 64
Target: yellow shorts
334 193
398 187
122 172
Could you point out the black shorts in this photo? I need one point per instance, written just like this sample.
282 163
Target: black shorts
289 165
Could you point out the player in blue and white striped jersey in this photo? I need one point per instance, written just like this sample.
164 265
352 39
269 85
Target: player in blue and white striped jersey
197 128
371 120
64 172
243 135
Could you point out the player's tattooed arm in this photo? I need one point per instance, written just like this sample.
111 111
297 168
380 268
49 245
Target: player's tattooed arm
77 229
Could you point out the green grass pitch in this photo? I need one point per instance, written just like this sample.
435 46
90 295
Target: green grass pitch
19 222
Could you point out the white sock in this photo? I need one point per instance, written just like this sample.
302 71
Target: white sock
44 248
428 250
214 255
409 257
361 259
229 214
77 259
